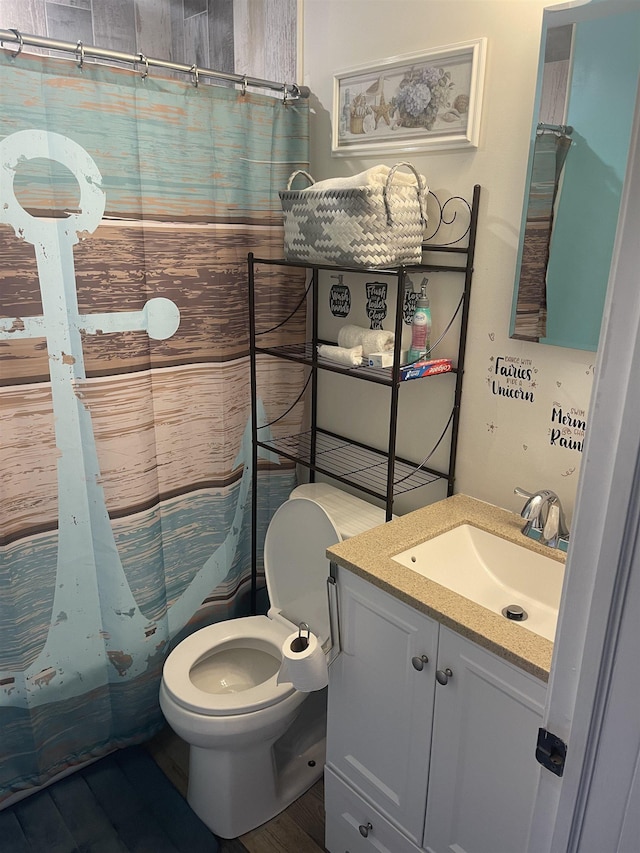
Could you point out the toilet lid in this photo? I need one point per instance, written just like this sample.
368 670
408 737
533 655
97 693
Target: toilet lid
296 566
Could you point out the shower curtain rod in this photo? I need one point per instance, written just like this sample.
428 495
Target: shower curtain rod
291 91
565 129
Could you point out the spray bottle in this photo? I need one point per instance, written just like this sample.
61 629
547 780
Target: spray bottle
421 326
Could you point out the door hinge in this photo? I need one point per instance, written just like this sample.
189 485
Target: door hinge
551 751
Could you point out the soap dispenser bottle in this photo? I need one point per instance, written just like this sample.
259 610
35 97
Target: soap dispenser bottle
421 326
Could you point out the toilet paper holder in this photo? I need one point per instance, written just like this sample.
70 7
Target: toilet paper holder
301 643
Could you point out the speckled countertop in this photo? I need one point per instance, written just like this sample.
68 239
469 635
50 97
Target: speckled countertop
369 555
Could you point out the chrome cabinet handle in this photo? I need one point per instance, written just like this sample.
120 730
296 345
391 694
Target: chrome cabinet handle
443 675
419 662
365 829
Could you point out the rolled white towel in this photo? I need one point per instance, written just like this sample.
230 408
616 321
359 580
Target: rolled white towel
371 340
352 356
376 176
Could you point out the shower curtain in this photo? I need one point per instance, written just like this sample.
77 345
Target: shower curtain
549 155
128 203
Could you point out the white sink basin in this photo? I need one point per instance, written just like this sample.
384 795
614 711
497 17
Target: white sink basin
492 572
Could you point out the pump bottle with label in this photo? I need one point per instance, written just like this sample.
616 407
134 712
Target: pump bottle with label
421 327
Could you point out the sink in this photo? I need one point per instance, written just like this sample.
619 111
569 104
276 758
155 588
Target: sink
493 572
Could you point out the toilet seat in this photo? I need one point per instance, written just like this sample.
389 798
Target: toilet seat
248 632
296 570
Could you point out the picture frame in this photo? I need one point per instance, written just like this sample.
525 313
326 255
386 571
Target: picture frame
430 100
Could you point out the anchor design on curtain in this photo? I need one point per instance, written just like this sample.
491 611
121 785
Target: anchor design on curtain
95 618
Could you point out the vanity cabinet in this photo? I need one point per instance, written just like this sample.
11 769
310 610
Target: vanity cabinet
437 758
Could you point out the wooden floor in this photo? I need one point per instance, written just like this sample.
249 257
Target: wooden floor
299 829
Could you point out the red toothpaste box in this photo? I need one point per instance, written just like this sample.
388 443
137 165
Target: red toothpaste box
425 368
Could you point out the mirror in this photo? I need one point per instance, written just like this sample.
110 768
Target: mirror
583 114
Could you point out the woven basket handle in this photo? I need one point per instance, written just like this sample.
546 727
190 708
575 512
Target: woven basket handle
421 193
294 175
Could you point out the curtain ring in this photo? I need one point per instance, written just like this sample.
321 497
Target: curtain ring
144 59
286 93
195 75
80 50
18 35
243 91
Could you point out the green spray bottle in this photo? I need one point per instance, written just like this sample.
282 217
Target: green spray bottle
421 326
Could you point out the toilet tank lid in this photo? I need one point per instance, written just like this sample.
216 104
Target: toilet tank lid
350 514
296 565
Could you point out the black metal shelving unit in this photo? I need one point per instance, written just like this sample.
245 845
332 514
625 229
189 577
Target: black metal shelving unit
380 474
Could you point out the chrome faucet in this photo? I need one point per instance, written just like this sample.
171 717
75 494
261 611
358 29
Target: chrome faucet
544 515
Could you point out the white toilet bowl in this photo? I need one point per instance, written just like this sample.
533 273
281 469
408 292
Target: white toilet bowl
256 745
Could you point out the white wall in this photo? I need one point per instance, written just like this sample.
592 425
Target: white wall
503 442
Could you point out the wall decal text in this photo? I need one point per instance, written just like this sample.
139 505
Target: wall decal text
339 298
513 377
376 303
567 427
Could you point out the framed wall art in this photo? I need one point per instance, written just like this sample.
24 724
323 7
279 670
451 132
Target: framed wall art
428 100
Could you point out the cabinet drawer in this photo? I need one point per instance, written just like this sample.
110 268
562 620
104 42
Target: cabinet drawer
346 812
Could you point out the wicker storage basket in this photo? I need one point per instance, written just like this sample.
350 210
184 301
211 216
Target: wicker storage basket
368 226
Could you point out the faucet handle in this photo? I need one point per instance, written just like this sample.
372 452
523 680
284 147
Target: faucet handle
523 493
551 530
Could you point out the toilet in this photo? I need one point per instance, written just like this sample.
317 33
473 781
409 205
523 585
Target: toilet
256 745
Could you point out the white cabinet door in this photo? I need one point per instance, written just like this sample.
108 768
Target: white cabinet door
484 773
380 706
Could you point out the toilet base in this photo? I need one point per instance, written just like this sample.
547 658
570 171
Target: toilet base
248 802
235 791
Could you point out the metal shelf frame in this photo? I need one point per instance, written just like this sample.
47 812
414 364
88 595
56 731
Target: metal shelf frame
378 473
